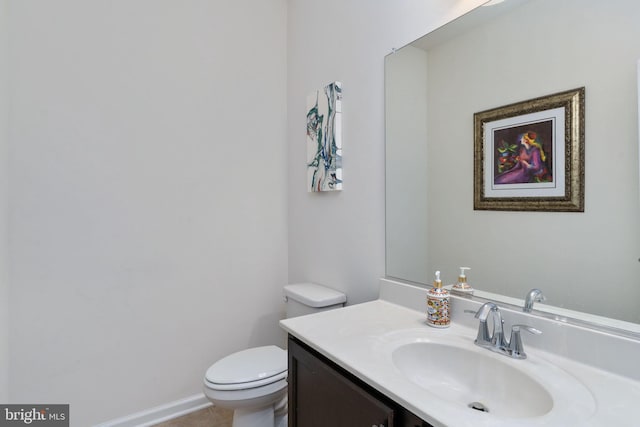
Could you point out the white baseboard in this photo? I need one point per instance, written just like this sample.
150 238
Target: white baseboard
161 413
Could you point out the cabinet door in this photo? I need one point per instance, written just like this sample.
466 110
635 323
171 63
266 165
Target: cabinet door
407 419
321 395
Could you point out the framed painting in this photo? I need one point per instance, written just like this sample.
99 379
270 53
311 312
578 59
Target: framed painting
529 156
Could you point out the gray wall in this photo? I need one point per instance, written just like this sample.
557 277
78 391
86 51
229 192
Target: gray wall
148 196
338 238
4 133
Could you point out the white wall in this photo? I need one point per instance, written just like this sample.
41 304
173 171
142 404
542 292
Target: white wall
4 284
148 201
338 238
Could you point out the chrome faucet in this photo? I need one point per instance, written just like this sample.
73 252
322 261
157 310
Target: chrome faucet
496 341
534 295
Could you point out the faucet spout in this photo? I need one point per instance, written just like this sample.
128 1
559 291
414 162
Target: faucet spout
534 295
484 338
483 312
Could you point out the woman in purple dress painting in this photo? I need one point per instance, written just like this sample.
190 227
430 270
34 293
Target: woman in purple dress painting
530 163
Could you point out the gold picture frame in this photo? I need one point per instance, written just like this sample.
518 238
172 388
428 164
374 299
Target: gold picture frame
529 156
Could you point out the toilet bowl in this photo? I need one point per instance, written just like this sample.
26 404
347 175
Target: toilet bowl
253 382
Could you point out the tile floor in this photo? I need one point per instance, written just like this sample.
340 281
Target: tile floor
207 417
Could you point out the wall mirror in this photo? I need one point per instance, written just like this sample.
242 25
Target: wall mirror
495 55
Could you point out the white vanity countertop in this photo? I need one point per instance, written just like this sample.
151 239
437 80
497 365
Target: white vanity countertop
359 339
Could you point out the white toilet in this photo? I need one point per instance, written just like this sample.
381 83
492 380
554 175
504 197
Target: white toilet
253 382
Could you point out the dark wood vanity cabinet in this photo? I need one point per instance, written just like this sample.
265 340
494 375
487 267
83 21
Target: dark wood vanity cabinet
323 394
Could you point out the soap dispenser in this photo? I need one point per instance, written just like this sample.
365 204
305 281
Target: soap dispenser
462 288
438 305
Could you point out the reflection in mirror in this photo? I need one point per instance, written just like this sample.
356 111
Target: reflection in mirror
494 56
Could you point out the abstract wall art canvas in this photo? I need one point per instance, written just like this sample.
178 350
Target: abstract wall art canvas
324 139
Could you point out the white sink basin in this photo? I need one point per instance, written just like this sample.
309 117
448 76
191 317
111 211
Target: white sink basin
476 379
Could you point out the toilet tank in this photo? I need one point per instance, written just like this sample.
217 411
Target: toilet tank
307 298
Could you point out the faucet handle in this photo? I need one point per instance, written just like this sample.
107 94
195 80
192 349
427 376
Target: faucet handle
515 343
516 328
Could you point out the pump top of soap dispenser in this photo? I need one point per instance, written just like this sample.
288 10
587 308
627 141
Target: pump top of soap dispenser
462 286
437 283
462 278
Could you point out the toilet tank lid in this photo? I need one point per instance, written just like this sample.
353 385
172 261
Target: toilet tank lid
314 295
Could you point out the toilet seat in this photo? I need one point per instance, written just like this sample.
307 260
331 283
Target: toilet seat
251 368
